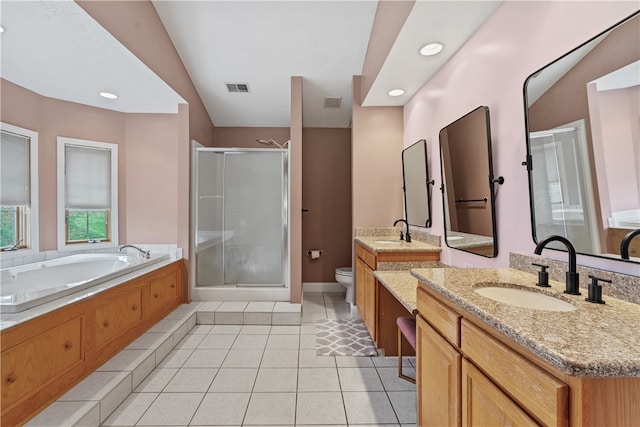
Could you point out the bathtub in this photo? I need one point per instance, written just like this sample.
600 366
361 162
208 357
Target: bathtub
34 284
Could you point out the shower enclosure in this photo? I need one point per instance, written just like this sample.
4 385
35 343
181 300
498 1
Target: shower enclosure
241 224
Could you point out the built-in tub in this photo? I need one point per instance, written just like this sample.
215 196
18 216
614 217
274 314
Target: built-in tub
34 284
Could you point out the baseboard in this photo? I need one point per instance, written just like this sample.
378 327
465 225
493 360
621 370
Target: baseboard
322 287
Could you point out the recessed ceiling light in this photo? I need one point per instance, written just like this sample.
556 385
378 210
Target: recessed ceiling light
108 95
431 49
1 29
396 92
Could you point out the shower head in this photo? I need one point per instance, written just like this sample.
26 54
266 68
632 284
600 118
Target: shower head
271 141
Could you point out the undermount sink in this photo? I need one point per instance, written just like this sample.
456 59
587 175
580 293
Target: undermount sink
523 297
386 242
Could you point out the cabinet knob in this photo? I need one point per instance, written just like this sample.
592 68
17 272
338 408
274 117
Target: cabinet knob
106 323
134 307
12 378
173 285
155 295
68 345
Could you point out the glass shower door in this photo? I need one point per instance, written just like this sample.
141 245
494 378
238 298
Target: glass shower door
253 212
241 218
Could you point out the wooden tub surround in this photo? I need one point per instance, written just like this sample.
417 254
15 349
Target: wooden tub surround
480 362
45 356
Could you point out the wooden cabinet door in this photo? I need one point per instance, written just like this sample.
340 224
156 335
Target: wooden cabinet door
370 302
485 404
121 310
438 378
163 292
366 296
37 361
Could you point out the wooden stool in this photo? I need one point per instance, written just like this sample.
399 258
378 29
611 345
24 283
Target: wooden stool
406 327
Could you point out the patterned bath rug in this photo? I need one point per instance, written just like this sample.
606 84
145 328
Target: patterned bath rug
343 337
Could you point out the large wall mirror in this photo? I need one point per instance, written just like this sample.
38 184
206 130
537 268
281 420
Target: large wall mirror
583 144
417 194
467 184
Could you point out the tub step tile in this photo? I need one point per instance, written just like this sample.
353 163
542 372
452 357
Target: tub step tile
68 414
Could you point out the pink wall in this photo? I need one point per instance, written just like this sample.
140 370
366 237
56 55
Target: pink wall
490 69
137 26
376 153
149 178
151 184
246 137
295 186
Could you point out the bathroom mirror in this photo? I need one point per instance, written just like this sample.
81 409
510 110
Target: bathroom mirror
583 149
415 175
467 184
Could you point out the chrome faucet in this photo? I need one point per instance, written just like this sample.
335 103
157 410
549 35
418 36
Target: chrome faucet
624 245
572 283
408 236
14 247
145 254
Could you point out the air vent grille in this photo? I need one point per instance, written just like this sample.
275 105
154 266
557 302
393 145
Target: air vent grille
238 87
332 102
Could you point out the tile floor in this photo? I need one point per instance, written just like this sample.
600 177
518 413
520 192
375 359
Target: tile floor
261 375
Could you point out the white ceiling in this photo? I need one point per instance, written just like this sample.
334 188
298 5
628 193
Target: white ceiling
264 43
54 48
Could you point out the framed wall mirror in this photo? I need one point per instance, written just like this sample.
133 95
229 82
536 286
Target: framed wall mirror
417 194
583 144
467 184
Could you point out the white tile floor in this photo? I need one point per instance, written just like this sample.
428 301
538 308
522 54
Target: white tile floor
269 376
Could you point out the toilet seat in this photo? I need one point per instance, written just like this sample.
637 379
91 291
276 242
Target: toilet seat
344 271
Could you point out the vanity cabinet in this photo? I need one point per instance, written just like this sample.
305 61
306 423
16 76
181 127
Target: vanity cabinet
471 374
377 307
44 357
468 377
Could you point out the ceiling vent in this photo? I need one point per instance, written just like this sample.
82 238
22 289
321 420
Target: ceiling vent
332 102
238 87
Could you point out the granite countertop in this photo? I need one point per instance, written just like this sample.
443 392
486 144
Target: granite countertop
456 239
402 285
394 244
596 340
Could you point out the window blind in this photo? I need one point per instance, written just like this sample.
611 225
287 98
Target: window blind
14 169
87 177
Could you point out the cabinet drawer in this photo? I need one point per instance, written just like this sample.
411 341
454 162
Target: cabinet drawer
368 257
443 319
30 365
163 291
121 311
542 395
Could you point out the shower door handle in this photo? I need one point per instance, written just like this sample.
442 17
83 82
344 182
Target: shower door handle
305 210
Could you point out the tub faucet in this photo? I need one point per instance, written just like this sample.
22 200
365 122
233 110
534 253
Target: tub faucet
408 236
572 283
624 245
15 246
145 254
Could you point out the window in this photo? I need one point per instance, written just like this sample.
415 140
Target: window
87 194
18 190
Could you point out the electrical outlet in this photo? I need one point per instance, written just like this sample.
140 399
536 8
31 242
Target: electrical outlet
468 265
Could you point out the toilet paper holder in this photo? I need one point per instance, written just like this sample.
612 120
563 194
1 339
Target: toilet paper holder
310 252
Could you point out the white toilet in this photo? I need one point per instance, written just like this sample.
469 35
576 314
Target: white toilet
344 276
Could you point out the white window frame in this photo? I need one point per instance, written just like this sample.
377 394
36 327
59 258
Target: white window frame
34 224
62 230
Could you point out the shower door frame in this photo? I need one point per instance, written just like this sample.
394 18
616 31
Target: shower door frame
235 292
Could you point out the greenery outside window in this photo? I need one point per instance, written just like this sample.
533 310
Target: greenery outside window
18 190
87 194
